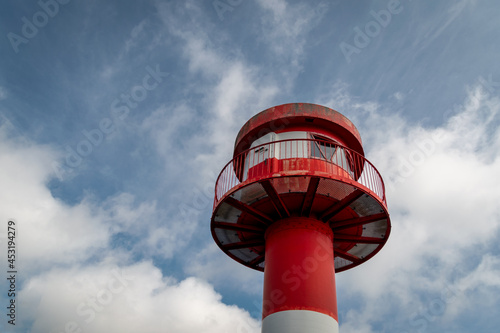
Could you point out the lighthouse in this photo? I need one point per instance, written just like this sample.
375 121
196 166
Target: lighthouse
300 202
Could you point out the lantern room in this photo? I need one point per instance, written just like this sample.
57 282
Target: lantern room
300 160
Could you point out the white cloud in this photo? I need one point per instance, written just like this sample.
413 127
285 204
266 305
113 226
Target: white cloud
45 225
167 126
354 325
430 205
135 35
153 231
51 232
399 96
479 288
59 291
286 27
136 298
211 264
443 192
442 182
232 89
142 37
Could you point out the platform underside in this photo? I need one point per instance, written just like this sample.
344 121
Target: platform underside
359 220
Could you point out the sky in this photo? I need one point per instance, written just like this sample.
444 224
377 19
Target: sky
117 116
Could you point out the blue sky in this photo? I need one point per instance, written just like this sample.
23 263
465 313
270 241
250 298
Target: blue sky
117 116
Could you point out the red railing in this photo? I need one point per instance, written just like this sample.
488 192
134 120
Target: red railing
306 155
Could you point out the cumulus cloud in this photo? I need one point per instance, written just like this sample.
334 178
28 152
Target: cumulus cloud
135 298
74 277
106 265
53 232
45 224
211 264
443 188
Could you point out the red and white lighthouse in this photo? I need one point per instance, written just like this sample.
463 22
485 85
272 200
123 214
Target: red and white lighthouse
300 202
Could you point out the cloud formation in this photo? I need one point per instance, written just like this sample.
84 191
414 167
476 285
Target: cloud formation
122 241
442 190
78 280
105 297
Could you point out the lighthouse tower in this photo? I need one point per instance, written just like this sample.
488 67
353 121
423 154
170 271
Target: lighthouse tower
300 202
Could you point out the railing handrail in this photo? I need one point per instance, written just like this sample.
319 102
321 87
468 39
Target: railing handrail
326 142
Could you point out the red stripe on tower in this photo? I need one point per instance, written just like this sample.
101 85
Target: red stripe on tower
299 279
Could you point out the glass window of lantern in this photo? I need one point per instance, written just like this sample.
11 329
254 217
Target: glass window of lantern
322 147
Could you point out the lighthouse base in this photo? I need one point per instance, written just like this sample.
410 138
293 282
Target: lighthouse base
299 278
299 321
